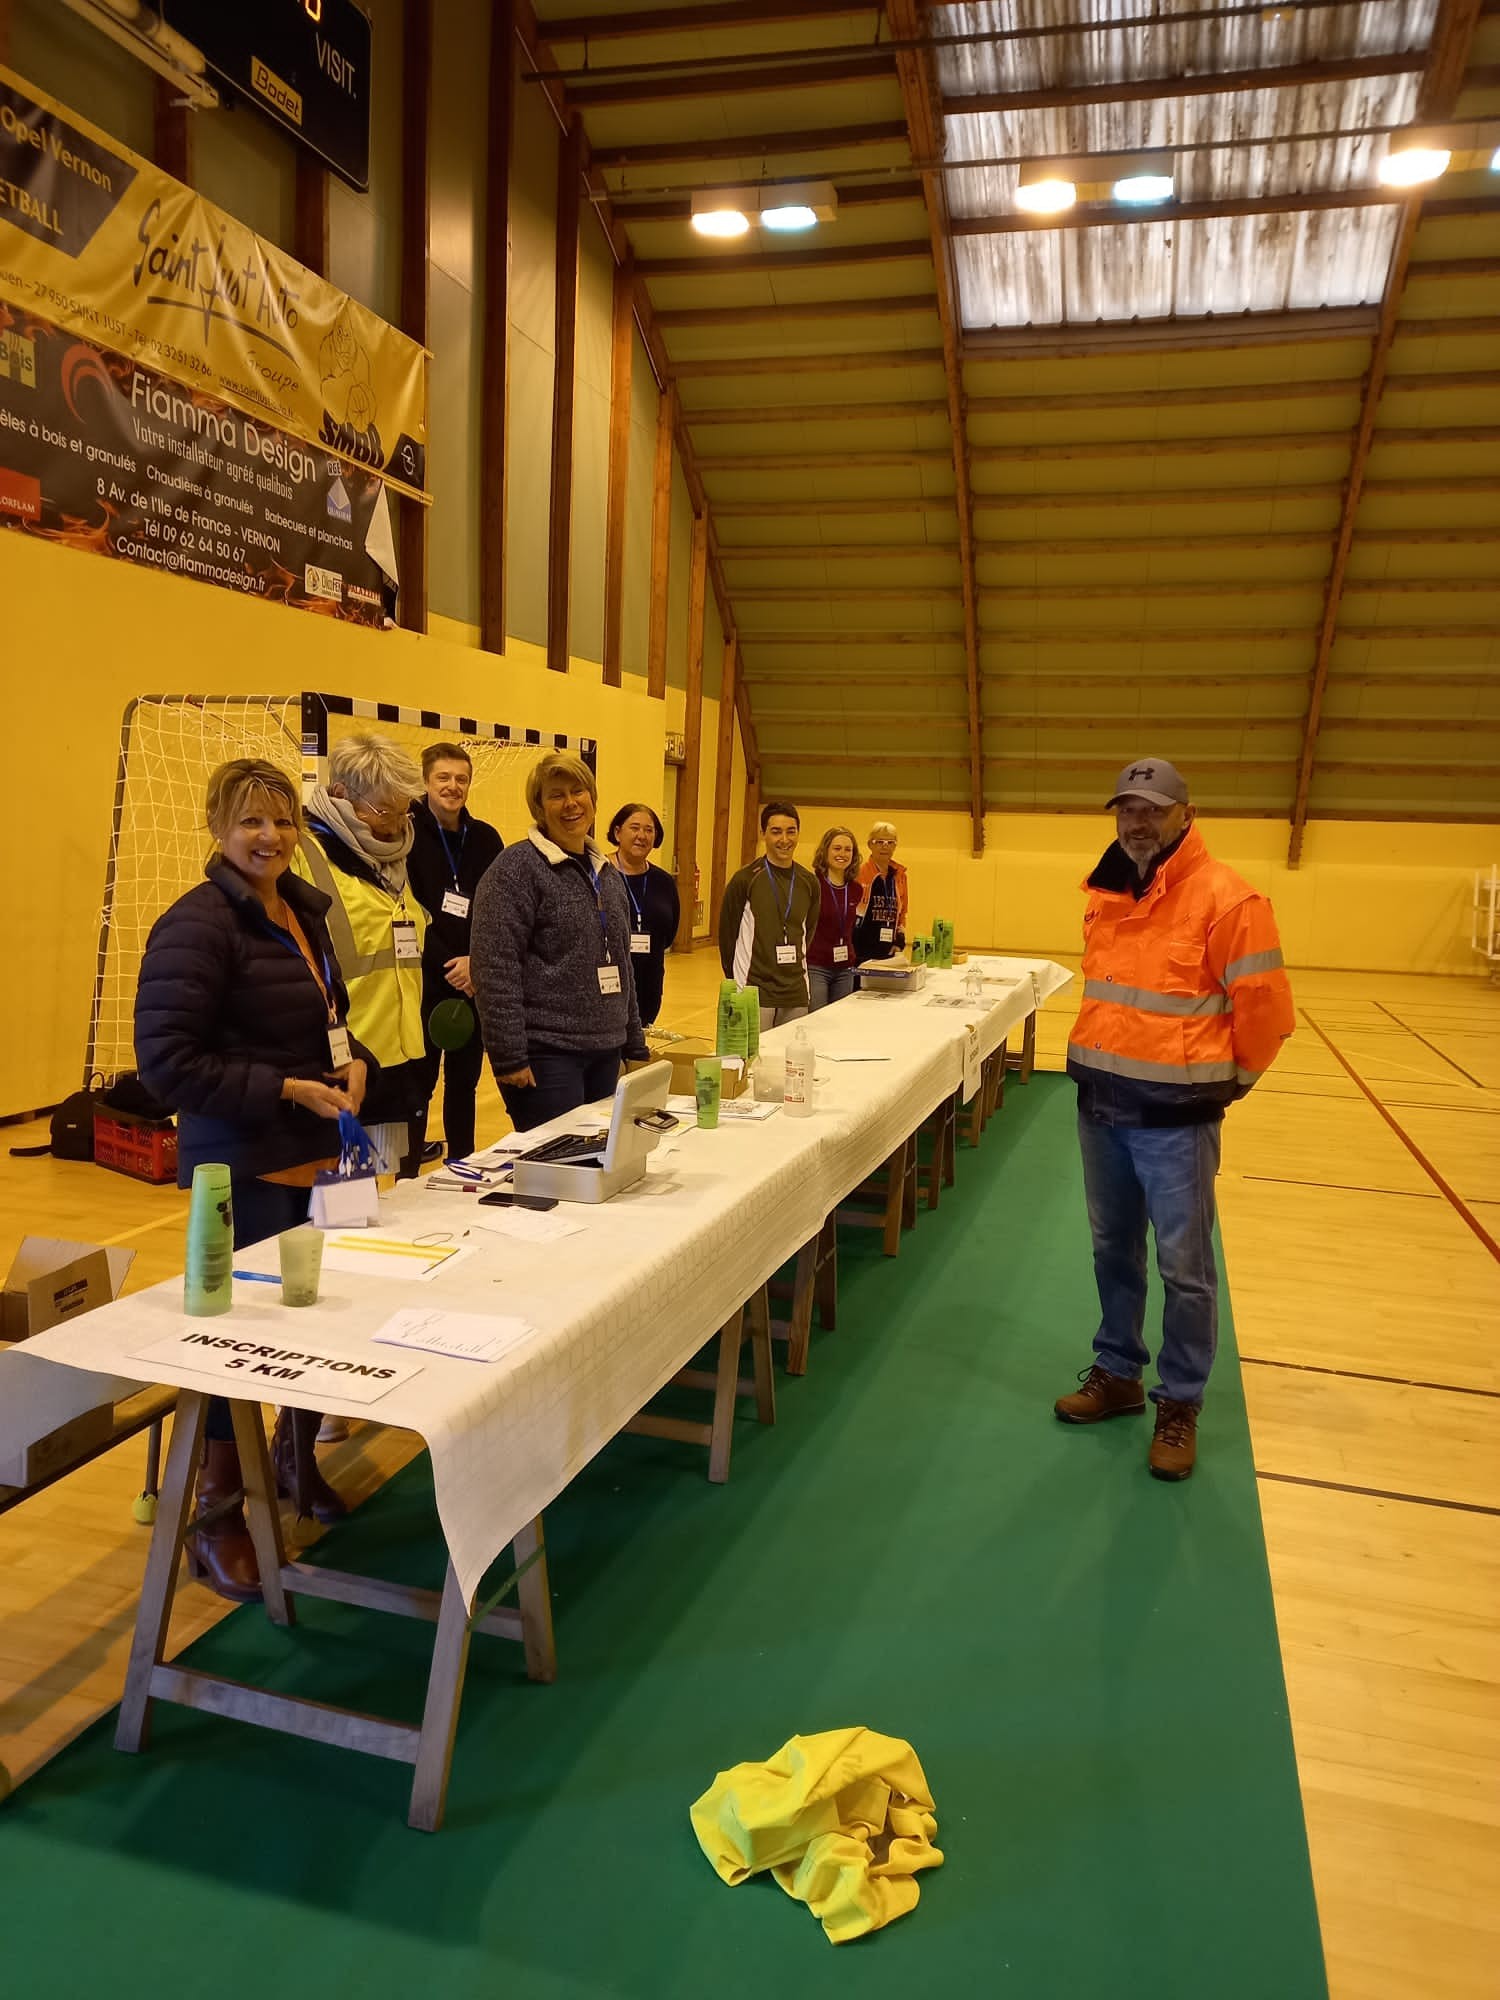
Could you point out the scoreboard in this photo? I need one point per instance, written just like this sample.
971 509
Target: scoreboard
303 63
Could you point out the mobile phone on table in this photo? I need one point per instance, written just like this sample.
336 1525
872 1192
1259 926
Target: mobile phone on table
504 1198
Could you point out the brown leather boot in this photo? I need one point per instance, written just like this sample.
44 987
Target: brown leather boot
1174 1447
293 1439
1102 1395
222 1554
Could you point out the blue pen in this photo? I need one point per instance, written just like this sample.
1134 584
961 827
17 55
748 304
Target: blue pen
256 1277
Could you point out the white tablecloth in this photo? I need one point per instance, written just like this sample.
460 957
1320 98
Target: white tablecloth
621 1306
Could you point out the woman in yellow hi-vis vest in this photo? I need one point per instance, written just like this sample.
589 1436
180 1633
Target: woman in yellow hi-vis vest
358 836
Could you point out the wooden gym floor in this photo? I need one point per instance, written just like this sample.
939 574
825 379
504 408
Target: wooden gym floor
1360 1208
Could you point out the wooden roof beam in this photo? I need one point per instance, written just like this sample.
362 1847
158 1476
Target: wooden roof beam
886 306
750 145
673 20
1140 90
848 66
1170 334
709 262
1447 60
921 100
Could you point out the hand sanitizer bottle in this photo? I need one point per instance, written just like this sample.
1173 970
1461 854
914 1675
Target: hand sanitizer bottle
798 1097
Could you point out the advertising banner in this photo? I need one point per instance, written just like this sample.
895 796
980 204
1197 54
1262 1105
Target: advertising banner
97 240
99 453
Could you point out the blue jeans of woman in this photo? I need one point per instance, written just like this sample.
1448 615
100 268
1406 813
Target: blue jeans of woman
261 1209
827 983
565 1079
1162 1175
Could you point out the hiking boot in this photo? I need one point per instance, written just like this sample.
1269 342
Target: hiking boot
1102 1395
1174 1445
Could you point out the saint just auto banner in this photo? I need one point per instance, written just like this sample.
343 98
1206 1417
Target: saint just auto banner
100 242
99 453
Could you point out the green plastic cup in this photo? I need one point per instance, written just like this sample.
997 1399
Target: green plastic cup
708 1088
301 1262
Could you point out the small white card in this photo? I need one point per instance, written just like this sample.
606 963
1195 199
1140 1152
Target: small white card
464 1336
609 979
256 1365
640 941
973 1064
404 931
841 954
455 905
786 954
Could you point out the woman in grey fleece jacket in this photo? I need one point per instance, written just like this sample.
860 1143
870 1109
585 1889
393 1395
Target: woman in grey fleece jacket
550 955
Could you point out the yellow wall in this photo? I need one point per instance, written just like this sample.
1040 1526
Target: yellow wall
82 636
1368 896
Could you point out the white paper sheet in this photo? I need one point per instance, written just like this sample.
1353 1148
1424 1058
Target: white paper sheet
386 1255
527 1225
852 1055
464 1336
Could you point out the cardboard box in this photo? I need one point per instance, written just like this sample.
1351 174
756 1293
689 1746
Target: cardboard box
682 1056
50 1415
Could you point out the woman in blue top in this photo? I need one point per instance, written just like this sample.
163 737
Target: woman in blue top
655 912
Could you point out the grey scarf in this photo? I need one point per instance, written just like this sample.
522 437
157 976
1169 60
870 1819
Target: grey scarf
386 857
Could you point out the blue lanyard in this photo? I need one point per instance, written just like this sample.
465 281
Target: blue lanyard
791 896
638 907
594 877
463 834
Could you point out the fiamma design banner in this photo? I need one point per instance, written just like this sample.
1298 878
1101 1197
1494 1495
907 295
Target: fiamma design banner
99 453
97 240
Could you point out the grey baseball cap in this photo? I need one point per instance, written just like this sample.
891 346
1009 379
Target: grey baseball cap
1150 778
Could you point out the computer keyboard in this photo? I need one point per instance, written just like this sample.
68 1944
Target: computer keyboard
568 1146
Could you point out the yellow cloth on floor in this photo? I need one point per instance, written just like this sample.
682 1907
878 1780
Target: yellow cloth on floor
843 1820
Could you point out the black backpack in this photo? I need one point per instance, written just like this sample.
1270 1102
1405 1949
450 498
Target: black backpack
73 1120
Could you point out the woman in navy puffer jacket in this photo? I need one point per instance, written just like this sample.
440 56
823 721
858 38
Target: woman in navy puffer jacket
240 1028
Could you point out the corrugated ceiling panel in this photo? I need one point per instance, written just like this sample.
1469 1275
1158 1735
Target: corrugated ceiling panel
1057 276
1146 270
1278 36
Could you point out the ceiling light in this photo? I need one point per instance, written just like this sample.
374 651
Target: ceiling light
1139 188
1495 161
722 222
1045 197
1411 166
790 215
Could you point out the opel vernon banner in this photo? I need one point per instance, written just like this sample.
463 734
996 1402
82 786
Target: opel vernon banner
96 240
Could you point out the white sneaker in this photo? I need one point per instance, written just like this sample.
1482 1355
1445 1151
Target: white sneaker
333 1430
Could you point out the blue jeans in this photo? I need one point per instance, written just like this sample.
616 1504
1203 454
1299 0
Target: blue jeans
565 1079
827 983
1164 1175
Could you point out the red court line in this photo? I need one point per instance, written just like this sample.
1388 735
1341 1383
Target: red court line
1460 1206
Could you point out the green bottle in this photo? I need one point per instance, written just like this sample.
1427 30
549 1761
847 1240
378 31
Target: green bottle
724 1019
208 1285
752 1016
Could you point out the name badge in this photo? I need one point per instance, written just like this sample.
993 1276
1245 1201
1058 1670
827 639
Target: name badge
339 1051
640 941
455 905
609 979
887 933
841 954
786 954
405 933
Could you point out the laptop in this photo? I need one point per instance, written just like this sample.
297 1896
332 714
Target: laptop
595 1166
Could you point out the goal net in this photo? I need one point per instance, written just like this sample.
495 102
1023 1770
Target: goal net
169 744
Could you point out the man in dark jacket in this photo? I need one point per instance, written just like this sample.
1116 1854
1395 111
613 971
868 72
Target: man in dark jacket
450 851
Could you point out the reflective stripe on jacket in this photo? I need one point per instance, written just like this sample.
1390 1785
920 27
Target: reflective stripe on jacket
385 995
1185 999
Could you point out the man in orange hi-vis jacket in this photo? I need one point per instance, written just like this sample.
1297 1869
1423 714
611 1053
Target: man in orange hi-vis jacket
1185 1004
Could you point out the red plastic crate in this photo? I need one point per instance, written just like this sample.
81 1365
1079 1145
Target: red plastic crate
140 1147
